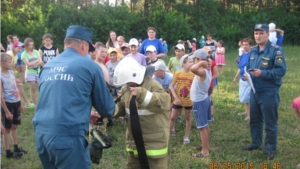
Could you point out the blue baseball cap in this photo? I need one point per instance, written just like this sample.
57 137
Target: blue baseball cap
80 32
262 27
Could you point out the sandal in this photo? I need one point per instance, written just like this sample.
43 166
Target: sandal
298 166
247 118
199 155
186 141
173 134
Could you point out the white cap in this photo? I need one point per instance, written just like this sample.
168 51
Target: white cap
150 48
159 65
194 39
134 42
179 46
272 26
202 37
184 57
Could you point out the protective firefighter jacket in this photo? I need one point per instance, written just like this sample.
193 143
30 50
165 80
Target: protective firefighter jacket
153 105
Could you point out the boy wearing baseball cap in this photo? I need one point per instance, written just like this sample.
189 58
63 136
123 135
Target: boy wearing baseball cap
111 65
174 64
133 46
152 55
182 80
201 101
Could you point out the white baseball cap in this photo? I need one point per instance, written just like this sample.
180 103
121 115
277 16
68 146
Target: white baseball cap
134 42
159 65
179 46
194 39
150 48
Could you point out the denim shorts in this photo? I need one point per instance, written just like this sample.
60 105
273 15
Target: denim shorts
202 113
19 62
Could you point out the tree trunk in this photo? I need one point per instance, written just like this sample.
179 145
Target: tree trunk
259 4
146 8
123 2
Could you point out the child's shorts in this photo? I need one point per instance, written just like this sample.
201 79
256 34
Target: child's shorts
244 91
20 62
32 77
180 107
14 108
202 113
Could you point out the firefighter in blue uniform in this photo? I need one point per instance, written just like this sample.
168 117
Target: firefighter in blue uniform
267 66
70 85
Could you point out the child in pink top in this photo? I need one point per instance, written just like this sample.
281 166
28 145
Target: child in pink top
220 56
194 45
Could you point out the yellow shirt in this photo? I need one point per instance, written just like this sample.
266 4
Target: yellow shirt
14 57
183 81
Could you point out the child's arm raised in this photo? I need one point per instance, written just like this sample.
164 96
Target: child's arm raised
198 68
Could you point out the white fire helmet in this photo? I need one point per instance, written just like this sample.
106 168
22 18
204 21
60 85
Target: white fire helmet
129 70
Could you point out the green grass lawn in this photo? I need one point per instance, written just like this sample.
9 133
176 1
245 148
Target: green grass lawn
229 132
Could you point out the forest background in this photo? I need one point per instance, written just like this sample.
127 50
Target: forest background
229 20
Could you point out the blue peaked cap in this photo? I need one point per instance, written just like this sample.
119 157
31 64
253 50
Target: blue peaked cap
81 32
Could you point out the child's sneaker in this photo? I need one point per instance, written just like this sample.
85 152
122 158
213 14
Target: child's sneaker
14 155
21 151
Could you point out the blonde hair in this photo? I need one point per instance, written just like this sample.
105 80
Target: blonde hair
5 57
26 44
121 37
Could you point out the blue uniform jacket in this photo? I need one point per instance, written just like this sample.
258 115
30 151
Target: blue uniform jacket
69 86
272 64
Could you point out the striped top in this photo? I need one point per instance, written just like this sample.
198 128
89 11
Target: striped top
183 81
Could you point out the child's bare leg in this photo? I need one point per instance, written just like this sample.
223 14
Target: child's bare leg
14 134
22 72
6 139
220 67
32 86
172 120
188 123
247 107
204 135
22 93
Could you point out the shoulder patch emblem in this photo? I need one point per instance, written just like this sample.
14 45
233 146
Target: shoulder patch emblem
278 53
279 59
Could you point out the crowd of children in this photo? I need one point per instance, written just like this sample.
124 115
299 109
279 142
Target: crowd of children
188 78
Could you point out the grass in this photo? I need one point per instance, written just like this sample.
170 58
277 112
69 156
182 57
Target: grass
229 132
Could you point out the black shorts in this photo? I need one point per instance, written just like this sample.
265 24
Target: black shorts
180 107
14 108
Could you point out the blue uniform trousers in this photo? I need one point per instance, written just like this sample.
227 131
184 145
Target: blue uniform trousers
62 152
264 110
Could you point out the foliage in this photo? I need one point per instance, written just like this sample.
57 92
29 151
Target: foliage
174 20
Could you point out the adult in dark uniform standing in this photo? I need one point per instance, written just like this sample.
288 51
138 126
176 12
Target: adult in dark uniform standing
268 67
